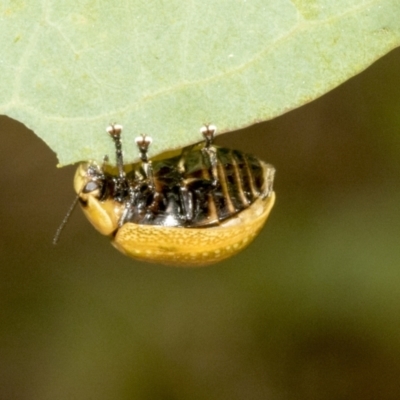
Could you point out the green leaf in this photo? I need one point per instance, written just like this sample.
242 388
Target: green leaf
166 67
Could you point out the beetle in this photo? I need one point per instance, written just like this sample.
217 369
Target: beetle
193 208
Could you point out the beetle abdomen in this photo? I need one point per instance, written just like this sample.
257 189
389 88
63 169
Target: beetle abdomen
199 188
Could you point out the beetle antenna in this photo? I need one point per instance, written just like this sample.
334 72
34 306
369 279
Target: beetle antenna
115 131
65 220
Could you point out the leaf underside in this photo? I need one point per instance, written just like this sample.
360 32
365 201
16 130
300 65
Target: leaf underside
166 68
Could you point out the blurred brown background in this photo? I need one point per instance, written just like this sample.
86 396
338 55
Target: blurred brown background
311 310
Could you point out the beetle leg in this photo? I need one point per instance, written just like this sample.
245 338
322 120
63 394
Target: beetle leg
115 132
208 132
105 162
143 142
129 206
125 214
186 200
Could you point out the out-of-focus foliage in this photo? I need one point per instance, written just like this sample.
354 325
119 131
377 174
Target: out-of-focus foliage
165 68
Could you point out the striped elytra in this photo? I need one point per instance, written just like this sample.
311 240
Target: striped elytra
197 207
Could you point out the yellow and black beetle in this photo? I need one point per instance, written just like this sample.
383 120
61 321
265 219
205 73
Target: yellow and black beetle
194 208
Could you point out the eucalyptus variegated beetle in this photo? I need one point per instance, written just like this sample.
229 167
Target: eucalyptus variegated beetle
193 208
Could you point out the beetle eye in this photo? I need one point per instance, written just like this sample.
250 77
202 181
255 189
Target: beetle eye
91 187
